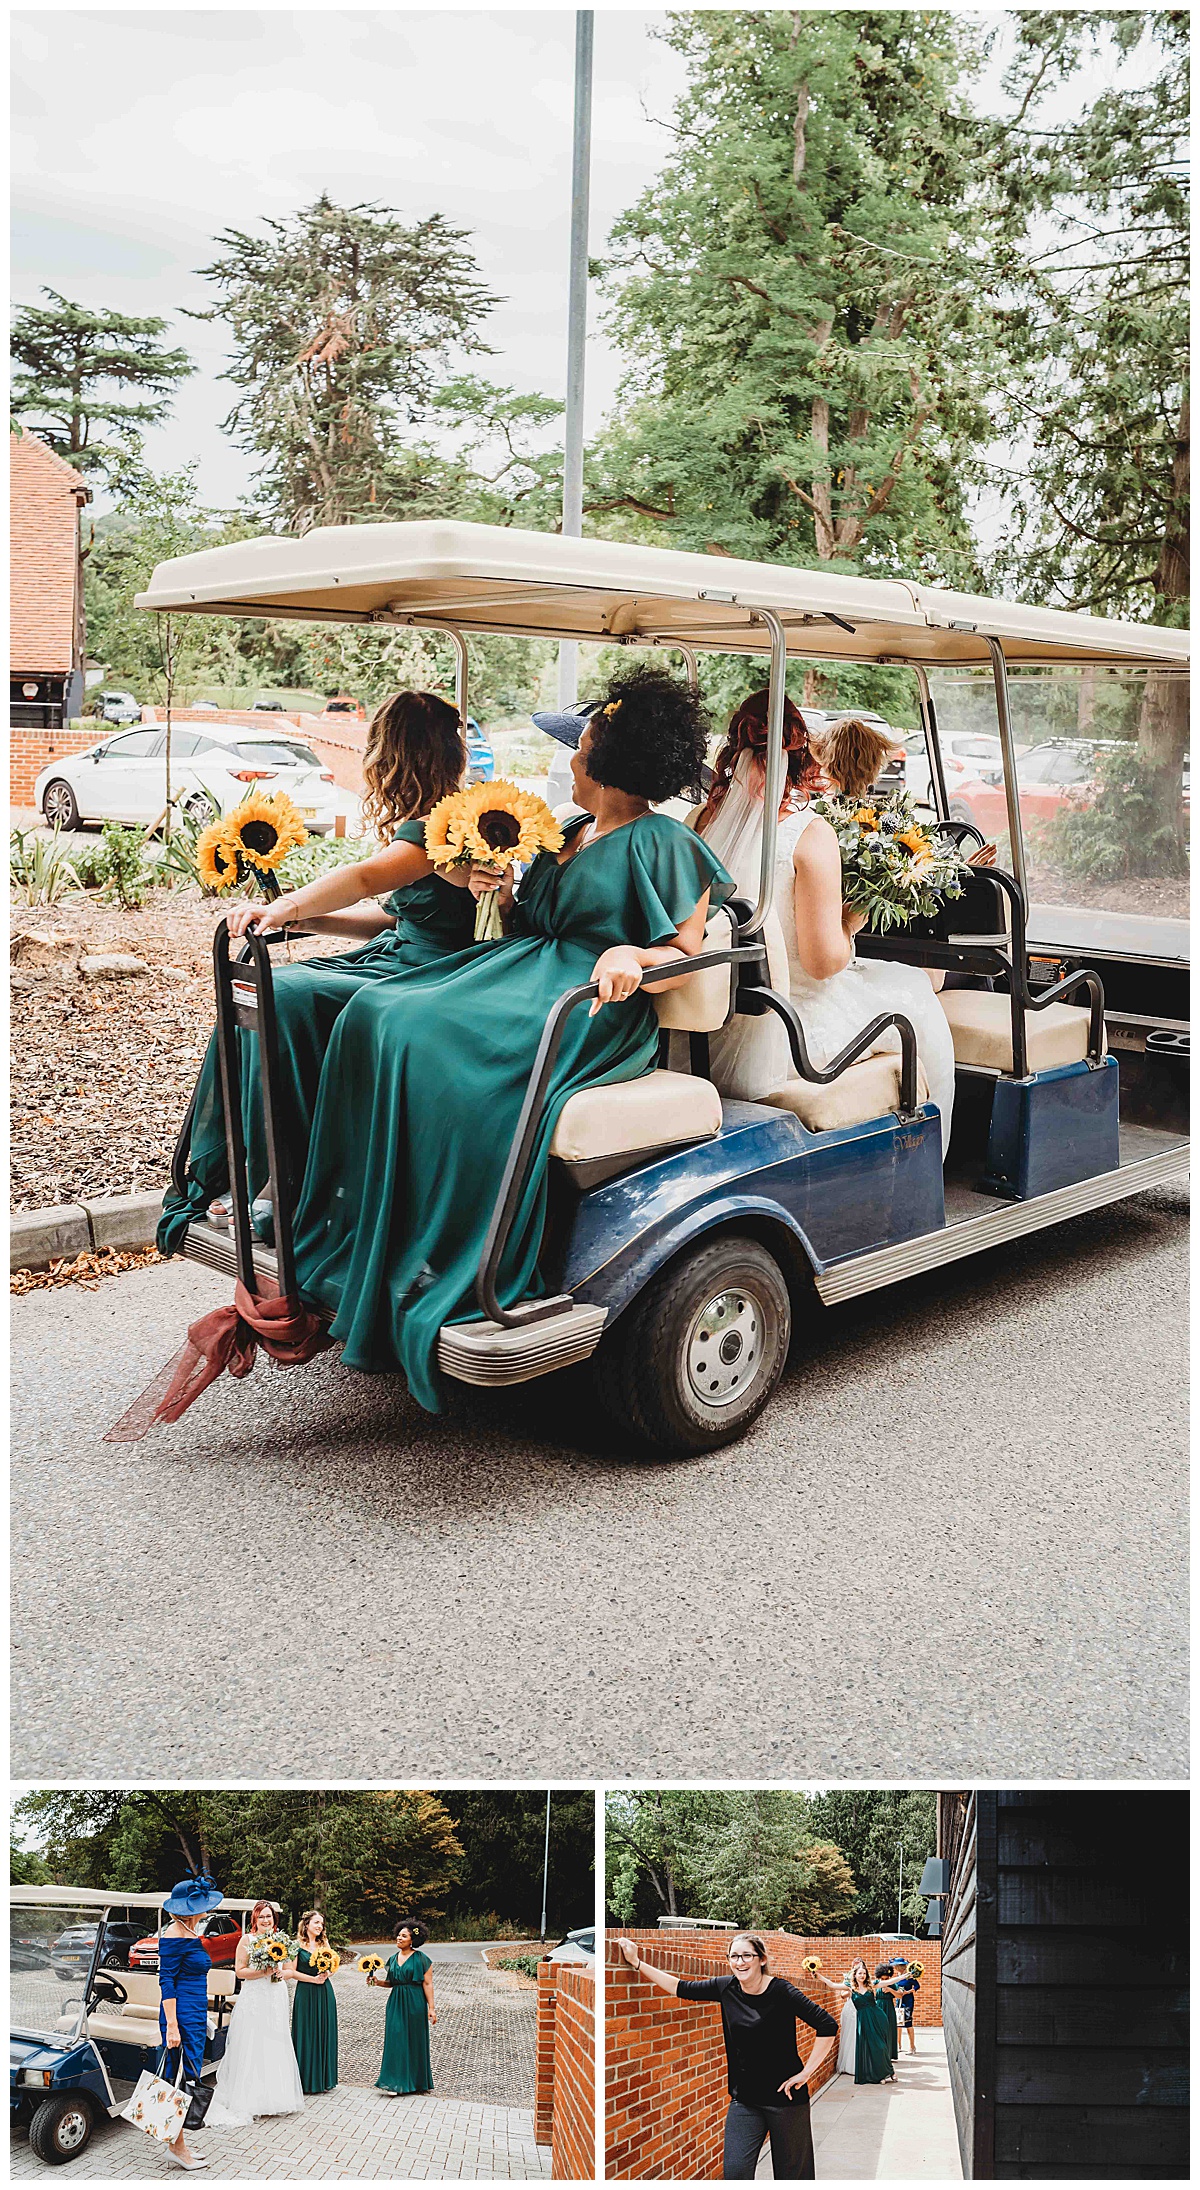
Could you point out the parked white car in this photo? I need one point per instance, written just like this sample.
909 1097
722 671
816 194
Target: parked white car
578 1946
124 778
963 755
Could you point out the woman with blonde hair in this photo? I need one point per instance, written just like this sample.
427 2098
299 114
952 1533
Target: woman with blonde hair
810 939
314 2009
415 755
768 2082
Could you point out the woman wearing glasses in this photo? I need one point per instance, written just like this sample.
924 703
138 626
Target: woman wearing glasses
768 2082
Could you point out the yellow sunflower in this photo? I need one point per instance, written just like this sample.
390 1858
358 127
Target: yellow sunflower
867 818
492 823
216 857
370 1963
812 1962
277 1950
914 840
445 831
265 829
916 1969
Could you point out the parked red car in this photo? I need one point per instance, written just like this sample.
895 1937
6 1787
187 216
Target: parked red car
1046 775
218 1934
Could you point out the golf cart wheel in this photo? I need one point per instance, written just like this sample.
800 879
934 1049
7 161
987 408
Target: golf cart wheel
696 1359
61 2127
60 805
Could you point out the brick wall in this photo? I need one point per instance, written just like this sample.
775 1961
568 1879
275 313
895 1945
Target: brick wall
30 751
45 594
665 2088
565 2088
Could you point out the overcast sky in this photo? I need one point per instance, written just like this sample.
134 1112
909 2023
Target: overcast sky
138 134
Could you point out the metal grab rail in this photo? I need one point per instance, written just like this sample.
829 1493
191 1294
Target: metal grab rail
1021 997
512 1184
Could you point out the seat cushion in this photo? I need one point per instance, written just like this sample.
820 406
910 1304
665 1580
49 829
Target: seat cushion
868 1089
656 1111
981 1024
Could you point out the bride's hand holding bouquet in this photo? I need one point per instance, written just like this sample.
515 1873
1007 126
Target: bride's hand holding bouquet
273 1956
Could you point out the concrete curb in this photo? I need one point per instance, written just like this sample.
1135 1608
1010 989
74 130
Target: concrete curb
128 1222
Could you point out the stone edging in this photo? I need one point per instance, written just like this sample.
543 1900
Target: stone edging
128 1222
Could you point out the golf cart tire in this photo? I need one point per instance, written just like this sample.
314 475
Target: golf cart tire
69 816
650 1372
61 2111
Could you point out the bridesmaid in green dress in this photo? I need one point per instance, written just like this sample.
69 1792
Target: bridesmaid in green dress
415 755
405 2066
314 2010
872 2051
425 1074
885 1977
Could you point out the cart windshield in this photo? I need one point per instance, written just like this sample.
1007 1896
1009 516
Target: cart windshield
50 1954
1101 778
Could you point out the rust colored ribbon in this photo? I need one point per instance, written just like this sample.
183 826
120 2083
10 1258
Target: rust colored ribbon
226 1338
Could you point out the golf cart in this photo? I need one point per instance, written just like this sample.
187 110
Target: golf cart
78 2044
682 1230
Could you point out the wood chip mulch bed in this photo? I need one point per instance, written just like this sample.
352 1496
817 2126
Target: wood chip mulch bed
86 1269
102 1071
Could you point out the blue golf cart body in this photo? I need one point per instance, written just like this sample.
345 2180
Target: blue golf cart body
684 1229
76 2055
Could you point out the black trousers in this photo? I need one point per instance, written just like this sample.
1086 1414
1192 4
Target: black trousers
789 2128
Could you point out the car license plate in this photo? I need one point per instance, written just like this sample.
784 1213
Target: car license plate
147 1961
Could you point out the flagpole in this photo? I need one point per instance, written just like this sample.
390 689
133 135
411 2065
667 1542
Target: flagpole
581 158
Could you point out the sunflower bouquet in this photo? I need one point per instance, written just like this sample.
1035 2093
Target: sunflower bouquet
916 1969
490 825
271 1952
369 1963
326 1962
893 870
812 1963
250 843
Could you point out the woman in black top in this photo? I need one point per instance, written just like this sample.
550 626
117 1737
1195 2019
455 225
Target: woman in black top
768 2094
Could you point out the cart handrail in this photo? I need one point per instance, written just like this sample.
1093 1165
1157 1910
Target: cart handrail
1021 997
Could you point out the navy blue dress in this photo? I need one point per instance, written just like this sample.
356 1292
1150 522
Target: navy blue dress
183 1967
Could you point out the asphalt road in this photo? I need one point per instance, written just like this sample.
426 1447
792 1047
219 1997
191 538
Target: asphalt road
954 1545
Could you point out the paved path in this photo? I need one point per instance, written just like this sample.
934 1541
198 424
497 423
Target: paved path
344 2135
901 2132
1010 1431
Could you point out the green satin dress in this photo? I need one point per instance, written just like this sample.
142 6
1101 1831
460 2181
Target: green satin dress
423 1084
434 919
872 2046
887 2001
315 2029
405 2065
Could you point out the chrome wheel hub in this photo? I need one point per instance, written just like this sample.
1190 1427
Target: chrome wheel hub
725 1347
72 2131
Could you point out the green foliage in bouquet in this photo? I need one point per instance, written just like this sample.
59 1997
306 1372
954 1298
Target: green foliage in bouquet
893 870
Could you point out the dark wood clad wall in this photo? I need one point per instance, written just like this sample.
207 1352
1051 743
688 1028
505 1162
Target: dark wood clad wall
1073 2062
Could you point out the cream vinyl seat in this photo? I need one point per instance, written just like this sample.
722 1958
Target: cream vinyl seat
604 1129
867 1089
981 1023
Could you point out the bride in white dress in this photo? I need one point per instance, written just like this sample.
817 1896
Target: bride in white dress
259 2073
810 938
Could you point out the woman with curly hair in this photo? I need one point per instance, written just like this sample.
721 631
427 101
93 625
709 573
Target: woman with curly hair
415 756
810 932
425 1074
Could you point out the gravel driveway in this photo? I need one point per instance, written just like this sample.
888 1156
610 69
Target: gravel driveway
482 2046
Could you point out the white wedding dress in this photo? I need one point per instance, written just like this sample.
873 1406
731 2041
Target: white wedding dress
751 1057
258 2074
847 2039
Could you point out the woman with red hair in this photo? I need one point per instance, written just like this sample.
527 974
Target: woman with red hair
810 931
259 2073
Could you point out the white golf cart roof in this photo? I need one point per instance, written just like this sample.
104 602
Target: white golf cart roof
99 1897
493 578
